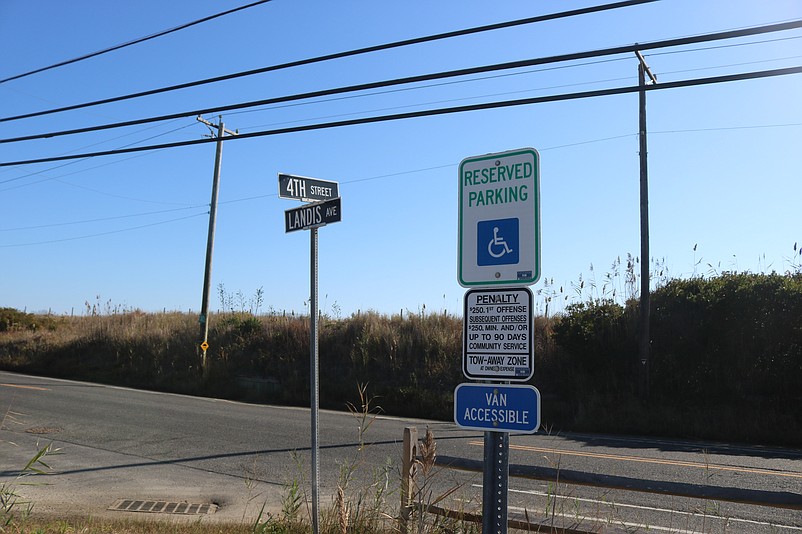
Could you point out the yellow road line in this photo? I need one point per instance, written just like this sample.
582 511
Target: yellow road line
641 459
20 386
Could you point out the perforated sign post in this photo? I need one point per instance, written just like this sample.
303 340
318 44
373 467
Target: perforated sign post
499 219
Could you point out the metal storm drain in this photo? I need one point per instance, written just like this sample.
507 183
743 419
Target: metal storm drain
163 507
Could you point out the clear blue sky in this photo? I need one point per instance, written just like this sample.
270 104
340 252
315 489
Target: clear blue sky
725 163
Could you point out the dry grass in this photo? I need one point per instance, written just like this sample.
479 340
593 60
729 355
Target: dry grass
722 345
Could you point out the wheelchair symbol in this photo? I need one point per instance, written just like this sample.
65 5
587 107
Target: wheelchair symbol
498 242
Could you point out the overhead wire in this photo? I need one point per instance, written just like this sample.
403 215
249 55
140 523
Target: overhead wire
16 178
481 78
729 65
99 219
133 42
340 55
112 195
640 47
63 240
504 75
433 102
486 28
433 112
485 95
728 128
541 149
109 140
719 47
424 86
377 177
684 83
427 103
246 199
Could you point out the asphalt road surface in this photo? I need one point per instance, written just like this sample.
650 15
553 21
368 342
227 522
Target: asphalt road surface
120 448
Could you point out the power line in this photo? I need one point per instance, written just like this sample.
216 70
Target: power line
131 43
16 178
56 178
718 47
541 149
434 112
101 219
112 195
627 49
104 233
395 174
338 55
741 64
729 128
485 95
429 103
440 84
269 195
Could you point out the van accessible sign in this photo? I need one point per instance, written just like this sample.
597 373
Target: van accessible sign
499 219
497 336
497 408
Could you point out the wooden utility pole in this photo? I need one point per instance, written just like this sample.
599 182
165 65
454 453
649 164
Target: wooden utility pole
645 300
207 276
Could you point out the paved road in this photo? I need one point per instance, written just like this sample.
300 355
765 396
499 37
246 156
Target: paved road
121 444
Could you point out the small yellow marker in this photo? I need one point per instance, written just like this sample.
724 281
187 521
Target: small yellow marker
204 346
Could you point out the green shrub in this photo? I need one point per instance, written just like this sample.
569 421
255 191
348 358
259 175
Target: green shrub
598 338
723 345
735 336
13 319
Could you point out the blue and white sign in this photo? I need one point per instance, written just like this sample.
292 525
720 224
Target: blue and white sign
497 242
499 219
497 408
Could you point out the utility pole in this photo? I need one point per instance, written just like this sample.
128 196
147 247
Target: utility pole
207 276
645 300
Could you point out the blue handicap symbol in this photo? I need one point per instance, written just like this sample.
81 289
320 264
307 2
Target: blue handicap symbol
497 242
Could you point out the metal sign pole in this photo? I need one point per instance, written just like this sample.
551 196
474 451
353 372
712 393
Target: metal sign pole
495 482
313 377
310 217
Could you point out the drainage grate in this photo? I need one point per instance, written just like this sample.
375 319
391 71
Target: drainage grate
163 507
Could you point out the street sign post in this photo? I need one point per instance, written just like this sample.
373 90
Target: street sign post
497 340
500 408
306 189
312 215
499 219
